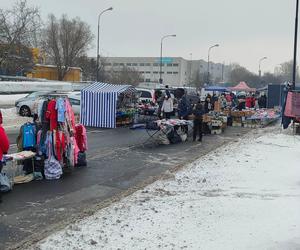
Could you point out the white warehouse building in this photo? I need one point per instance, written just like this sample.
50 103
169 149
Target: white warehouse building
176 71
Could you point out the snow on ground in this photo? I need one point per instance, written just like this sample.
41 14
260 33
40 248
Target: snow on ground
10 99
11 120
243 196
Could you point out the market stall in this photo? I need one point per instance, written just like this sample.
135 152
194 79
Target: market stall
219 89
106 105
242 86
49 146
170 131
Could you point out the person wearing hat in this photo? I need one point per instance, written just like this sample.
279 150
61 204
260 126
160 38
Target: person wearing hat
4 146
198 112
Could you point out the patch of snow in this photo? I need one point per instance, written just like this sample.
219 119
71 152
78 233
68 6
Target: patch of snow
10 99
11 120
245 195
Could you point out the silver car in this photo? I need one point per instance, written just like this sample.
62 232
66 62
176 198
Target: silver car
24 105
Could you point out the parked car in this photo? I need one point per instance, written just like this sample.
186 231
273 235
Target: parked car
146 95
75 98
24 105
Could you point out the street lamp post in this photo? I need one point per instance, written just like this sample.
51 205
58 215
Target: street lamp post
295 46
98 38
208 58
161 54
259 65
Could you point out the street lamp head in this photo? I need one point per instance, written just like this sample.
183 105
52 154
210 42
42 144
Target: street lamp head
111 8
217 45
173 35
263 58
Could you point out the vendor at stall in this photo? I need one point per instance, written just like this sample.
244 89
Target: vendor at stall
4 146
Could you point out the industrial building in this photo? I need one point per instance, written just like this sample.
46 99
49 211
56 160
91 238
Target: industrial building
176 71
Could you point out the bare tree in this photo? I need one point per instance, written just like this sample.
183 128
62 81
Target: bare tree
65 40
89 67
19 31
199 79
126 76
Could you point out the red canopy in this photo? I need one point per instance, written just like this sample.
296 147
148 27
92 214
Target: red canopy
242 86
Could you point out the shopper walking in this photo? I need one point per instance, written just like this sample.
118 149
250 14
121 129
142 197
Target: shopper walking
198 112
4 146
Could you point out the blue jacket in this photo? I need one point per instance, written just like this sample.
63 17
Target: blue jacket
183 107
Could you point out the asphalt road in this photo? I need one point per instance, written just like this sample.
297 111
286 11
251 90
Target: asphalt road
118 160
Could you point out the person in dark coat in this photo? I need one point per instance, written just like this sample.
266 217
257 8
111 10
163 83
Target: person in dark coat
198 112
207 105
183 108
262 101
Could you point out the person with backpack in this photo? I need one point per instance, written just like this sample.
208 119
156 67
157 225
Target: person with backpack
4 146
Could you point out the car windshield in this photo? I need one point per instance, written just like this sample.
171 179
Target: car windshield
35 94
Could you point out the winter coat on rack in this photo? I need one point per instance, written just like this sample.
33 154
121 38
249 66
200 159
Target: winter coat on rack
4 142
81 137
51 114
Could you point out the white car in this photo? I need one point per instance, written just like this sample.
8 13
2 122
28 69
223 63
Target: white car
75 98
146 95
25 105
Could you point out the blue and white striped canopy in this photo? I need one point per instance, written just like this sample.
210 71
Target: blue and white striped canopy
99 104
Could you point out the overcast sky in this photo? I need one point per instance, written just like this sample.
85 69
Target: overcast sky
246 30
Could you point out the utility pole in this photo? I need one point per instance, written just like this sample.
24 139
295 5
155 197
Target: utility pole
161 54
98 38
259 66
295 46
208 58
223 71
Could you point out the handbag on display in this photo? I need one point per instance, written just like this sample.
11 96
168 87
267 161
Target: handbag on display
5 185
53 169
81 161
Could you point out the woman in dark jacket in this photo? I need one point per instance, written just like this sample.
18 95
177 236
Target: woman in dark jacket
198 113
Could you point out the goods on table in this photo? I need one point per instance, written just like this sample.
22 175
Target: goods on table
262 117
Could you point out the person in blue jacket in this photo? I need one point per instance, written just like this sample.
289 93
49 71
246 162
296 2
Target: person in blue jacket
183 108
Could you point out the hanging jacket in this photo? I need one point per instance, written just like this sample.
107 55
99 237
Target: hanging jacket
51 114
4 142
81 137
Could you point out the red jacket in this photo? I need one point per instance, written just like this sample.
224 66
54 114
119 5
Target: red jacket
4 142
249 102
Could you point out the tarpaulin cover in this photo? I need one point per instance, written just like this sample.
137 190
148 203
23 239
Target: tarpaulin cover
99 104
292 107
242 86
216 88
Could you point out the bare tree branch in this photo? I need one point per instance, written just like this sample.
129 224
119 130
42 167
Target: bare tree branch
65 40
